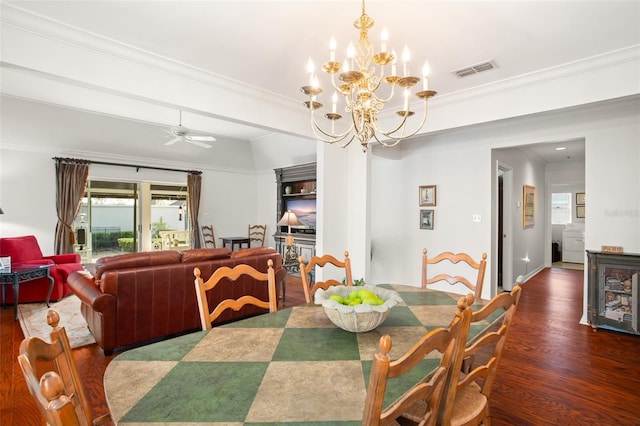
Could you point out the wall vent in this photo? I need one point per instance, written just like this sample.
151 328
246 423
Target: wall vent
475 69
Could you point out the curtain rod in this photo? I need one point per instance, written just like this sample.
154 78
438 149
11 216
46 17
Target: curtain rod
137 167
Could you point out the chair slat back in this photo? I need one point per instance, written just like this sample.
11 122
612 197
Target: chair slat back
257 234
321 261
226 276
474 285
54 392
481 358
208 237
422 403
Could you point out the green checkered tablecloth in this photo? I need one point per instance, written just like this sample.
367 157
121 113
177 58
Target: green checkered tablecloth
289 367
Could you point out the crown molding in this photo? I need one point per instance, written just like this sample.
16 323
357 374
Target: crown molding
25 20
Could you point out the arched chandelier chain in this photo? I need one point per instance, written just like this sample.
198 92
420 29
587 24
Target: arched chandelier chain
362 83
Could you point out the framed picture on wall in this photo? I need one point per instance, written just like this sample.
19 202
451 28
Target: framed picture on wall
426 219
528 206
580 199
427 195
580 211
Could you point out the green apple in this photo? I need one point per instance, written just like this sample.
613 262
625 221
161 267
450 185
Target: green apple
337 298
366 294
375 301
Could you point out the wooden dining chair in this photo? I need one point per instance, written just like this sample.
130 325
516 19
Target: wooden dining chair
481 358
59 395
225 276
257 234
479 267
422 402
306 271
208 237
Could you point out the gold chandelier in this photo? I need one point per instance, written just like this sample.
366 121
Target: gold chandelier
359 83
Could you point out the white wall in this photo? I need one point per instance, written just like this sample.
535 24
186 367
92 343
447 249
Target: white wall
459 162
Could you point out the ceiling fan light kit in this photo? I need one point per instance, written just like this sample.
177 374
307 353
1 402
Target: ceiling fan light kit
358 82
182 134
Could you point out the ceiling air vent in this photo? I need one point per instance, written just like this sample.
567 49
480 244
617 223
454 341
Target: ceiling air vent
475 69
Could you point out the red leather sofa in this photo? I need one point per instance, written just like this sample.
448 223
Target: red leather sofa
138 298
25 250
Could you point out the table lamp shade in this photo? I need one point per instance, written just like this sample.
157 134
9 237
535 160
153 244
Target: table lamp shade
289 219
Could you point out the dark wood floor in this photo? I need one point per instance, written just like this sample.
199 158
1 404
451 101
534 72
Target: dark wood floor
554 371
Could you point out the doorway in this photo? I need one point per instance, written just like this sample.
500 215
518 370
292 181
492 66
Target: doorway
504 237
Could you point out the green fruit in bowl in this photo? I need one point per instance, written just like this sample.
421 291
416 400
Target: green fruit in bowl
366 294
337 298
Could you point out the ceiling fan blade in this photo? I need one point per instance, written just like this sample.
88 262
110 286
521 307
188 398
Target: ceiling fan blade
202 144
172 141
201 138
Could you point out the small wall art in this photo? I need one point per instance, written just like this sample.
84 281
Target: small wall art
580 212
427 195
580 198
528 206
426 219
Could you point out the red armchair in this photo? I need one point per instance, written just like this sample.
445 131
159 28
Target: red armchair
26 251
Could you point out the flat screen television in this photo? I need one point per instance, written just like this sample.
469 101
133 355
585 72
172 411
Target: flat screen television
305 210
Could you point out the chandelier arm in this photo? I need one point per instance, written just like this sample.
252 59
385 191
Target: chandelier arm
332 138
350 140
424 119
389 145
393 91
401 127
389 133
396 140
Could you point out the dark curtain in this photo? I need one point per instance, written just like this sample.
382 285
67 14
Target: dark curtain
194 185
71 182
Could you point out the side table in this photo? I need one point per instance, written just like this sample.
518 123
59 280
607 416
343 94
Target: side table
20 274
239 241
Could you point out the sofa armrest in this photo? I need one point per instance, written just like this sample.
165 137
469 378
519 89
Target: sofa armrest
83 285
64 258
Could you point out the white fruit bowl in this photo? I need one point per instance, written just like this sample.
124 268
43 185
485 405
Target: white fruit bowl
358 318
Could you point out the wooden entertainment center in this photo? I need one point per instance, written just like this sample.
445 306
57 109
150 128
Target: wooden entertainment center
296 185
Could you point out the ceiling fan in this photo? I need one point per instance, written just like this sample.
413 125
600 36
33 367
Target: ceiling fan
181 133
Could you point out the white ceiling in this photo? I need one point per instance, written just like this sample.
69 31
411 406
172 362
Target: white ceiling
263 46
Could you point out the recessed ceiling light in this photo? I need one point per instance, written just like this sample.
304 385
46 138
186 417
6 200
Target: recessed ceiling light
561 148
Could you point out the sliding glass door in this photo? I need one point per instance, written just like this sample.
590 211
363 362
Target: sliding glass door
127 217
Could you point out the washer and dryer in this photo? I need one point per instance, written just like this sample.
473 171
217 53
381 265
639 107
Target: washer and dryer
573 243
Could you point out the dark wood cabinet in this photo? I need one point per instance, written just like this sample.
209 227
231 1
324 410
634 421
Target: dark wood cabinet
296 191
613 297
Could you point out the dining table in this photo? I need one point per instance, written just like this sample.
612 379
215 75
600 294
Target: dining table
292 366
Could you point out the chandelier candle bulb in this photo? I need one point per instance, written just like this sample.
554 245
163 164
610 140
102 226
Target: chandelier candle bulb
406 56
384 37
332 48
310 69
425 75
334 100
351 52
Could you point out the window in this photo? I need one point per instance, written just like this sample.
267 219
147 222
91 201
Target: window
561 208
